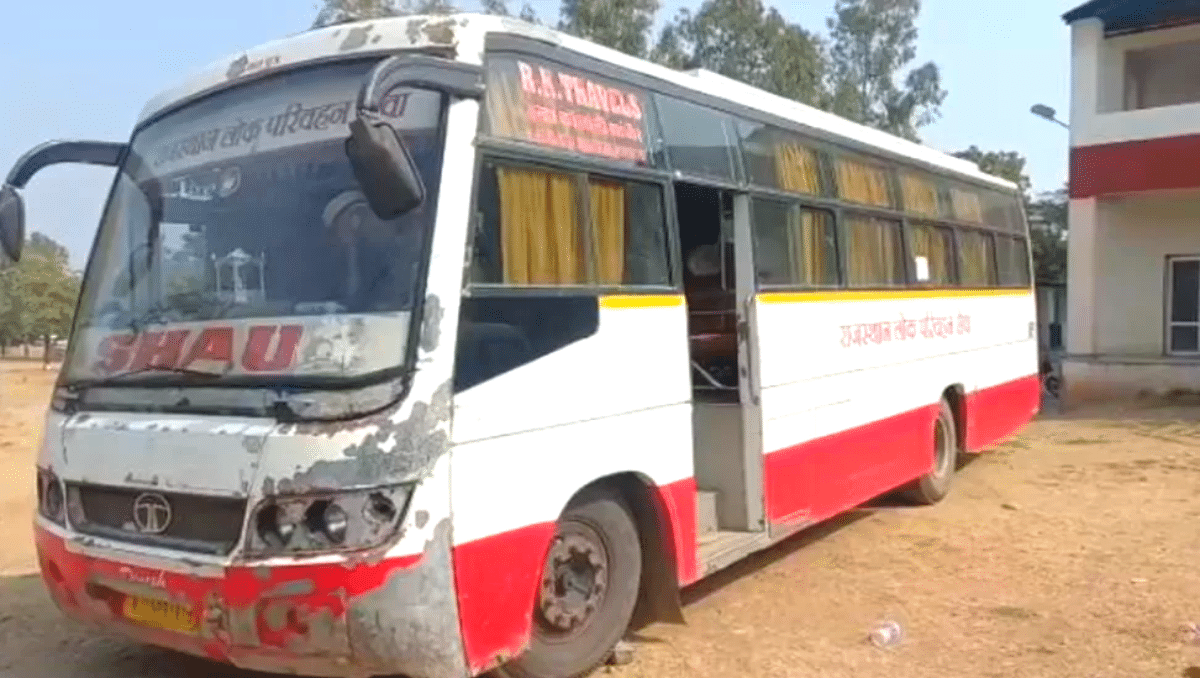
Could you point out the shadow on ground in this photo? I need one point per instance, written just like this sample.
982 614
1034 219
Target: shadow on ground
37 641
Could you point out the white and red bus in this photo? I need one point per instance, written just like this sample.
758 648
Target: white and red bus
437 345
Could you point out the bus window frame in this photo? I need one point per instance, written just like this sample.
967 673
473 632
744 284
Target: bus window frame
955 275
792 201
736 116
519 154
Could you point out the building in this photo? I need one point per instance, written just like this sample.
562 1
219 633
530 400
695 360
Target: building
1133 278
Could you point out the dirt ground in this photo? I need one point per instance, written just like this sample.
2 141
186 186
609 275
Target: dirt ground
1070 551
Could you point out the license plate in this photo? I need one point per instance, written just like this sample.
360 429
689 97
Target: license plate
160 614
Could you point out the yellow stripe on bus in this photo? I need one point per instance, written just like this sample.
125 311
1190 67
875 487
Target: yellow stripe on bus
641 301
884 295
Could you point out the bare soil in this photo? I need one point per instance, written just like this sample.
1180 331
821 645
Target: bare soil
1069 551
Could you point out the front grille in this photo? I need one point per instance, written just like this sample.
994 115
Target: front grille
196 523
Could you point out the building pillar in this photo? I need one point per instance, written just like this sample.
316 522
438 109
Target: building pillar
1081 344
1087 48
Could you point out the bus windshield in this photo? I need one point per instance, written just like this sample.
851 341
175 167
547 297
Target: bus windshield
239 244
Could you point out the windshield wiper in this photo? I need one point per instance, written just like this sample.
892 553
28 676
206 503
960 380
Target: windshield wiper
117 378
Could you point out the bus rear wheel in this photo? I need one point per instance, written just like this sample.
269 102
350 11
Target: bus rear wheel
588 590
935 485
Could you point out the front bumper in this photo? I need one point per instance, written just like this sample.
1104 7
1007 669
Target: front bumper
395 616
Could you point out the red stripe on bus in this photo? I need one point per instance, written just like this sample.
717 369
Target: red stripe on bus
821 478
998 412
497 581
679 500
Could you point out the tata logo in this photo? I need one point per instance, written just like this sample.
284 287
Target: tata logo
151 513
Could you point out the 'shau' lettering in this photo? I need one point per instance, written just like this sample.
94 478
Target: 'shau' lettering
266 348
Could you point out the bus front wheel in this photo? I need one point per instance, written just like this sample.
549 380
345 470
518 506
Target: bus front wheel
935 485
587 591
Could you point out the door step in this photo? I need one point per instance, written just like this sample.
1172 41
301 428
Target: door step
721 549
706 512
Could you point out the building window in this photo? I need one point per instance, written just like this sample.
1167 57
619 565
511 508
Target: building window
1162 76
1183 305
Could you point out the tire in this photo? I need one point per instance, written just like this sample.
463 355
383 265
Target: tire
935 485
600 523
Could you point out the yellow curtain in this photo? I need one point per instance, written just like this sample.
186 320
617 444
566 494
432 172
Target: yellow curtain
1002 211
920 194
966 205
608 231
797 168
977 270
862 183
873 252
540 238
808 248
934 244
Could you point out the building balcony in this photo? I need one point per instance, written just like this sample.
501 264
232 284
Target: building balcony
1129 152
1146 124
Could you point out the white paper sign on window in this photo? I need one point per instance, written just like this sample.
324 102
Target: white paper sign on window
922 269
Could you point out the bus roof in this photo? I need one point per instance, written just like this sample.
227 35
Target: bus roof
464 33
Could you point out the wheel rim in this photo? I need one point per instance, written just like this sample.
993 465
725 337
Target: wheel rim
943 449
574 582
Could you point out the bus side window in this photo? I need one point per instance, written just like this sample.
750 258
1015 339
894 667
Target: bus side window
795 246
977 262
932 250
874 252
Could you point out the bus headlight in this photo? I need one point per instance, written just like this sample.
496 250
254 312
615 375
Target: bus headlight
326 522
50 496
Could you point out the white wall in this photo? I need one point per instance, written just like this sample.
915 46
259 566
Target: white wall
1098 87
1133 238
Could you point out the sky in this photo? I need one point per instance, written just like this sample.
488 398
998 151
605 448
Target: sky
84 69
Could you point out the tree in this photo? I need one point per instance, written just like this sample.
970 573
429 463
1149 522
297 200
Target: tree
343 11
1047 215
743 40
1008 165
1048 236
37 296
620 24
500 8
334 12
872 40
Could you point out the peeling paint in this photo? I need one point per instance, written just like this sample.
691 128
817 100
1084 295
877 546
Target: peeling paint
440 32
327 635
242 626
356 37
418 441
276 616
298 587
421 518
431 325
152 481
410 625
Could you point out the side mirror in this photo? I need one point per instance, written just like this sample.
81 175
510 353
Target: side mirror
383 166
12 226
12 207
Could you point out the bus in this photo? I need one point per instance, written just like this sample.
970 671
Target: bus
441 345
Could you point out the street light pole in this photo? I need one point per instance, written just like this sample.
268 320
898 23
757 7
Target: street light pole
1044 111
